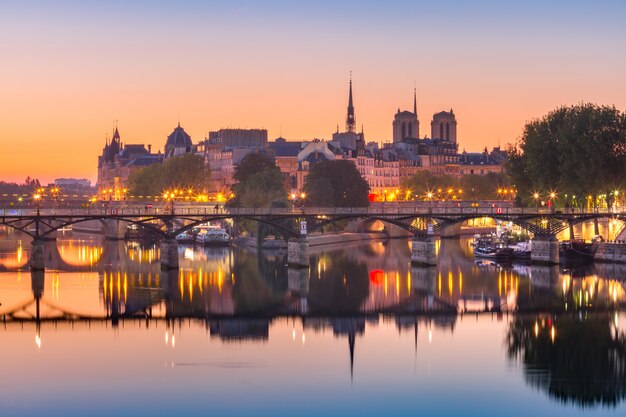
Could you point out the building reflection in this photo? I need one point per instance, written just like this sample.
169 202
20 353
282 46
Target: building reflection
236 294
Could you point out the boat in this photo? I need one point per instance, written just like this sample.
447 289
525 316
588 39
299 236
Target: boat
489 248
186 237
213 237
521 250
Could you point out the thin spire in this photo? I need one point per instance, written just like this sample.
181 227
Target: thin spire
116 134
415 101
351 342
350 119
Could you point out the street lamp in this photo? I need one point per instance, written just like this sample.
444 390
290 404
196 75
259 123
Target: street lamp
536 198
552 199
37 198
170 196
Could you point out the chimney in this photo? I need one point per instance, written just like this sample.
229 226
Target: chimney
149 148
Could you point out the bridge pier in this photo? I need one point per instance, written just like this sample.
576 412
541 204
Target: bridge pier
37 256
545 250
298 252
114 229
169 254
423 251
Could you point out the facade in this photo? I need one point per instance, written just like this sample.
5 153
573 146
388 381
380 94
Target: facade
286 157
239 138
406 124
221 168
443 126
482 163
178 143
116 164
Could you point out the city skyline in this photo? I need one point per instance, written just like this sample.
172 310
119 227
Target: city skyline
76 68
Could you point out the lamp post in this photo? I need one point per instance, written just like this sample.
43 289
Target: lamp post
170 196
37 199
536 198
552 199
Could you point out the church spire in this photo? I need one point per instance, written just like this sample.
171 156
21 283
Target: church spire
415 101
351 342
350 119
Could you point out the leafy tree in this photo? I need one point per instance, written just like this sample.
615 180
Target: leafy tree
473 187
336 184
184 172
578 150
425 182
259 183
252 164
483 187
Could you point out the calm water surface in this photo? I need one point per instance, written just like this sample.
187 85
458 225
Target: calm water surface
105 332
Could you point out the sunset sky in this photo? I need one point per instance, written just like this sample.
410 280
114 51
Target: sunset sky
71 68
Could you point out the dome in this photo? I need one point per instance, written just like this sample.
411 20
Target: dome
178 139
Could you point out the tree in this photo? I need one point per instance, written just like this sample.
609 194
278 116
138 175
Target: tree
184 172
336 184
259 183
427 185
578 151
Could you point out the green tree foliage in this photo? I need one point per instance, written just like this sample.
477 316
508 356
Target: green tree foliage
259 183
473 187
185 172
336 184
578 150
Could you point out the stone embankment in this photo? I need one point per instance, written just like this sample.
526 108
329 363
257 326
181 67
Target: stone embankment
611 253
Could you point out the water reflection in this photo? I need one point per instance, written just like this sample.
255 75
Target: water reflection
579 359
368 278
562 325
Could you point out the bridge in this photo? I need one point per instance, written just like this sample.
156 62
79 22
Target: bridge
294 224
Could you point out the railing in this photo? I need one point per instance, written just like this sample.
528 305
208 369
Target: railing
291 212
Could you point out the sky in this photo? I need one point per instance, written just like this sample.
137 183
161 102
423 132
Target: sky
71 69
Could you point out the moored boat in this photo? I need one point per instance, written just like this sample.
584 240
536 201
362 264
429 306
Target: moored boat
213 237
488 248
521 250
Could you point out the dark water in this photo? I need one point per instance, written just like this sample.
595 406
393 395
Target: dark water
360 332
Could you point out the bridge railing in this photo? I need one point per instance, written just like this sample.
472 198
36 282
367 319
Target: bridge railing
294 212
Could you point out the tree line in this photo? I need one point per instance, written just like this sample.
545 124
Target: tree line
577 152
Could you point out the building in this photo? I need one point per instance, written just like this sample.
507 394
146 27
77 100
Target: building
286 158
221 168
482 163
116 164
350 140
443 126
178 143
406 124
239 138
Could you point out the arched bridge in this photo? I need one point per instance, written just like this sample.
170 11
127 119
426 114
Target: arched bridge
421 221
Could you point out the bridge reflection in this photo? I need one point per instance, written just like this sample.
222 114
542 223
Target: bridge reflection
368 279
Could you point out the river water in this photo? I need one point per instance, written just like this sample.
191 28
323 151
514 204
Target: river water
105 332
